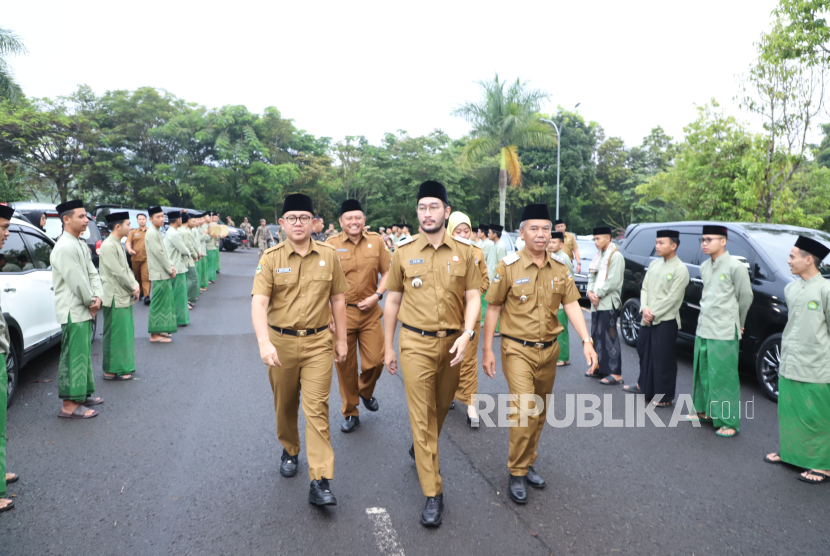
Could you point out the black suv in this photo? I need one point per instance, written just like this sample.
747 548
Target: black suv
763 248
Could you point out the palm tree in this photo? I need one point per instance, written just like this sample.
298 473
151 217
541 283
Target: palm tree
9 44
503 121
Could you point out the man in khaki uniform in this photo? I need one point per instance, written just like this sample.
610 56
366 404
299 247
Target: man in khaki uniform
298 287
362 256
249 232
527 289
138 256
569 246
441 280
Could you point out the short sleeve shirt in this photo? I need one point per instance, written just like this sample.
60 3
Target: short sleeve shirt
362 262
433 281
569 245
298 287
136 239
530 296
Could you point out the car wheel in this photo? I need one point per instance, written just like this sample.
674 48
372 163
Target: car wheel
94 327
230 247
630 319
767 364
12 372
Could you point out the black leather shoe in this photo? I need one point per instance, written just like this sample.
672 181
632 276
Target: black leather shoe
452 405
320 494
431 516
517 489
147 300
370 403
534 479
350 423
412 452
288 467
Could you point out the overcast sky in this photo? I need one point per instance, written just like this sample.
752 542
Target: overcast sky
365 68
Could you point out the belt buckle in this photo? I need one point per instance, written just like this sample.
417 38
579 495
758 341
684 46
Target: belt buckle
539 345
302 333
441 334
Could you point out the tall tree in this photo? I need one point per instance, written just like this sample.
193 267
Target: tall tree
10 45
504 121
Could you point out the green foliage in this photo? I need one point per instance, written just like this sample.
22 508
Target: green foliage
10 44
800 32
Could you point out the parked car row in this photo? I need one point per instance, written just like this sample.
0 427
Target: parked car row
54 228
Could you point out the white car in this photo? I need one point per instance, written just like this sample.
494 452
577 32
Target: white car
28 297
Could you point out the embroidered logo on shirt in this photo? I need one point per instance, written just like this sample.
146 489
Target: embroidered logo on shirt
523 280
283 270
669 276
496 277
813 305
259 268
416 261
722 277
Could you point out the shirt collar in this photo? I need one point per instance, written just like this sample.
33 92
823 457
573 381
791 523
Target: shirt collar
717 262
817 278
422 242
67 235
527 259
291 248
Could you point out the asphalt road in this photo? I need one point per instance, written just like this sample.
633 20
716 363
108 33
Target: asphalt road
184 460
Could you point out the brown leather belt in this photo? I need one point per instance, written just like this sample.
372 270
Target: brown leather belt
438 334
300 333
540 345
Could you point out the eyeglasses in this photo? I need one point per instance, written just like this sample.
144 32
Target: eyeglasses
423 209
291 220
705 240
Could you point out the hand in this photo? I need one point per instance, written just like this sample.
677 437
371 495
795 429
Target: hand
458 348
93 312
590 356
96 303
341 349
368 303
136 292
578 267
268 354
488 362
390 360
173 274
742 330
332 327
130 251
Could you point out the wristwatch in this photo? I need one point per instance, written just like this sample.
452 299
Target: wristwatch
587 340
472 333
380 295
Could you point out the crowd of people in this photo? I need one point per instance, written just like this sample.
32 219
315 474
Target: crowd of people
170 270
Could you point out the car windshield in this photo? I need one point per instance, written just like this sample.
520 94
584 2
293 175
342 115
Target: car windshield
54 228
587 249
132 212
777 244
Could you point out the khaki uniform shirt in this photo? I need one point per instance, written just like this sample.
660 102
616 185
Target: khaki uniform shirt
361 262
299 287
247 228
118 281
177 251
530 296
727 296
569 245
75 279
136 239
805 346
482 268
158 263
664 288
609 293
434 282
262 235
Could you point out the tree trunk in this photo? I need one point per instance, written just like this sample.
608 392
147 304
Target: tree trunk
502 187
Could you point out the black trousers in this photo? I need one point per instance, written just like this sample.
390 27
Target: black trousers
657 347
606 342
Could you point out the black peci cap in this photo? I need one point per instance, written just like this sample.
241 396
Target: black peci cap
173 215
557 235
603 231
535 212
496 228
433 189
6 212
185 217
69 205
671 234
813 247
298 201
558 221
350 205
116 217
154 210
715 230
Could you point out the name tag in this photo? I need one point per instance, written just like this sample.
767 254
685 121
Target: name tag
416 261
523 280
283 270
343 250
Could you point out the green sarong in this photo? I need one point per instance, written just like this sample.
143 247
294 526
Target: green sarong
211 264
203 275
75 382
218 260
564 339
4 388
119 340
192 284
483 306
162 313
717 388
804 423
180 300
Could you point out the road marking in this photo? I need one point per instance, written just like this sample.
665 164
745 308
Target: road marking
385 535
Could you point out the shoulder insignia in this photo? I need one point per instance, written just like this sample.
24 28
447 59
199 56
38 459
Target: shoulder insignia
371 233
406 241
510 259
463 240
557 260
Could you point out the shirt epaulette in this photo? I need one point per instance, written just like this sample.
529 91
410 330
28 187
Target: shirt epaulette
274 248
405 241
510 259
557 260
462 240
334 235
326 244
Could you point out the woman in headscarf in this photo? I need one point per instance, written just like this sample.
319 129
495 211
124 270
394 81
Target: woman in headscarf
460 228
37 218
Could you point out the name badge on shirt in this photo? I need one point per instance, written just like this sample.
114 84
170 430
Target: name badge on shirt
416 261
523 280
343 250
283 270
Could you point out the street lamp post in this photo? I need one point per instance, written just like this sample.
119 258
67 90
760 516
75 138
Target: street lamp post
558 149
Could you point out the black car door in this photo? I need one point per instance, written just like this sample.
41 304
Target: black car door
691 254
637 251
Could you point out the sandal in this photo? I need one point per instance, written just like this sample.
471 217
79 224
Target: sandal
824 478
774 461
118 377
698 417
562 363
722 432
9 507
13 479
632 389
659 405
93 401
78 413
594 375
611 381
162 340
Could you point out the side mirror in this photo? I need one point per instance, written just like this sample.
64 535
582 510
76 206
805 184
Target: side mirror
744 262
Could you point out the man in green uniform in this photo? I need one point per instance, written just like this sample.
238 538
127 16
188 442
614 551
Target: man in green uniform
569 245
217 241
605 281
210 245
557 240
804 375
664 287
6 504
192 276
434 285
78 296
179 255
727 296
121 290
162 319
202 238
527 289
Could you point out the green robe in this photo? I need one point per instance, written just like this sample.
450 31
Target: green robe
564 339
162 316
119 328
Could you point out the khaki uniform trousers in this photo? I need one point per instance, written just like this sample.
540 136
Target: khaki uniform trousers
142 275
430 384
528 370
307 367
364 329
468 381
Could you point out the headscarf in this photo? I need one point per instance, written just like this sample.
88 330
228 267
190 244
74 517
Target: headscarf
34 217
457 218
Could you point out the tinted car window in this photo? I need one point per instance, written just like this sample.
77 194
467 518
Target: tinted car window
40 251
14 256
738 247
689 249
642 244
777 245
54 228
